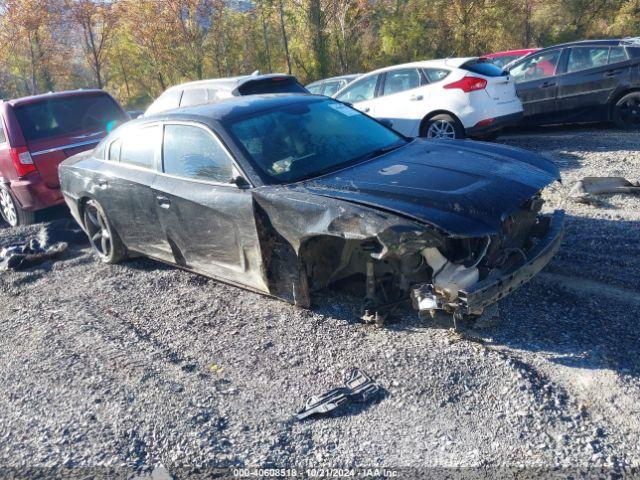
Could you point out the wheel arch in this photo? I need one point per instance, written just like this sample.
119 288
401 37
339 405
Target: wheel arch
615 98
430 115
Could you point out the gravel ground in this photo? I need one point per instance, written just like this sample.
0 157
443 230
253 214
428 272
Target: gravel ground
141 365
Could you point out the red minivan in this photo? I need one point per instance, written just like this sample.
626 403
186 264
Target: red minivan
39 132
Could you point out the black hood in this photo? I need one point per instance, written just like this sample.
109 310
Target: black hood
465 188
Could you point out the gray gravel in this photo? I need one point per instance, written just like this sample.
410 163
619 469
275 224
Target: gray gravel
141 365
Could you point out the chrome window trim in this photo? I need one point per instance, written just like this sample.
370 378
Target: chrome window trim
65 147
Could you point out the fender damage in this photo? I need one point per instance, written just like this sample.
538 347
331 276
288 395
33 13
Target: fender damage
455 251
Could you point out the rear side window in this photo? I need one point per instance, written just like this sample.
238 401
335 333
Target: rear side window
583 58
634 52
60 116
167 101
271 85
483 67
315 89
332 87
192 152
139 145
617 54
436 74
193 96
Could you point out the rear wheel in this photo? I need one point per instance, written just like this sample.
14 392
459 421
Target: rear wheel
443 126
626 111
13 213
103 237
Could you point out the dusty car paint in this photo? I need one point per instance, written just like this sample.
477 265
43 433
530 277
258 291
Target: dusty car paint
378 224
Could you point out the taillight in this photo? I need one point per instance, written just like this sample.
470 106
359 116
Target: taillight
22 161
468 84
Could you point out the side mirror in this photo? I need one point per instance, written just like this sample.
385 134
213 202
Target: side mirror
239 181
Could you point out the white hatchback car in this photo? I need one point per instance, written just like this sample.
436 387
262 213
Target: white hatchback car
450 98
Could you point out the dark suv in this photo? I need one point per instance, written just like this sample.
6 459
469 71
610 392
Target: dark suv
39 132
588 81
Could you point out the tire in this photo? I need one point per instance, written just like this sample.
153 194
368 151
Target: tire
626 112
443 126
11 211
103 237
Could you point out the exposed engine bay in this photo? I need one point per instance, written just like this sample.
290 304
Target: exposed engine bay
439 272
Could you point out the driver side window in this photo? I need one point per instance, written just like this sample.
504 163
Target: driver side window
192 152
537 66
360 90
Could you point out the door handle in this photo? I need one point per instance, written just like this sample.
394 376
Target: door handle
548 84
416 98
164 202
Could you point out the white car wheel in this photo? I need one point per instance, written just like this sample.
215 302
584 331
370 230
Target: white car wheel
443 126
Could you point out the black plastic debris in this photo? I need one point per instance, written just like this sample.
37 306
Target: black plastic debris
50 244
359 388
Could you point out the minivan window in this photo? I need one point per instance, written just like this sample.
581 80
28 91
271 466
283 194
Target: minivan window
59 116
193 96
192 152
360 90
167 101
332 87
139 145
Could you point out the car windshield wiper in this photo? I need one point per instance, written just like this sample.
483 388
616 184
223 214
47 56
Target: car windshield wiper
377 152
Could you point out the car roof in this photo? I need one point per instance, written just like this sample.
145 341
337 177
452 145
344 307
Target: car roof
233 108
228 83
453 62
506 53
604 42
52 95
348 76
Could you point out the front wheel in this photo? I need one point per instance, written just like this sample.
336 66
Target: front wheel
13 213
103 237
443 126
626 111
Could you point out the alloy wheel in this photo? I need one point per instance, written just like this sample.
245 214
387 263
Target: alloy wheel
441 129
96 225
629 112
8 208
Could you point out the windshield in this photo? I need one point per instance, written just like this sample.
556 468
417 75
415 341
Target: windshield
59 116
305 140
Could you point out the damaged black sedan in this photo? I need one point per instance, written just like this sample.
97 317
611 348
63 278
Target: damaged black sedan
288 194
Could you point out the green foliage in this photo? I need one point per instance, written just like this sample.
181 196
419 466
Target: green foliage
153 44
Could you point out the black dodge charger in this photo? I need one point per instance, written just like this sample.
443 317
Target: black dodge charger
288 194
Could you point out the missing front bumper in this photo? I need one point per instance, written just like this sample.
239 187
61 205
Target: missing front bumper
492 289
472 300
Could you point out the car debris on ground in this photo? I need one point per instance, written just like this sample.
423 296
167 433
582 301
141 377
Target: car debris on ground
359 388
51 243
584 190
